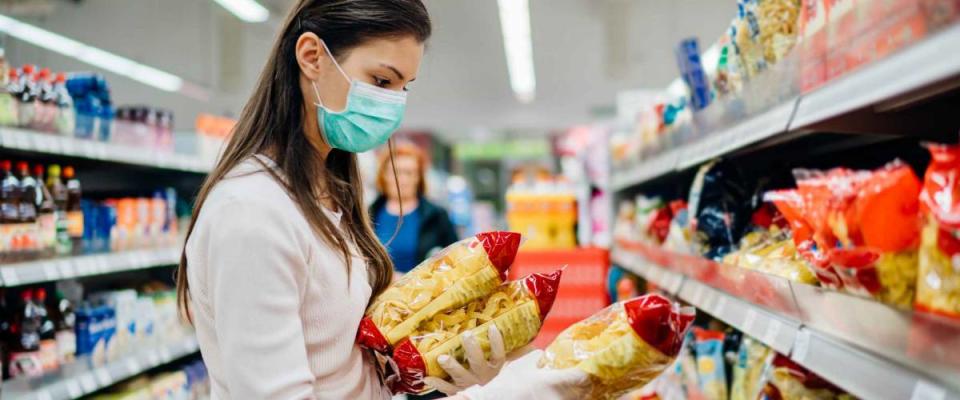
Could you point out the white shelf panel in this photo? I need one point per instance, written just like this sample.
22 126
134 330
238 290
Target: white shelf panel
48 143
31 272
80 378
928 61
868 348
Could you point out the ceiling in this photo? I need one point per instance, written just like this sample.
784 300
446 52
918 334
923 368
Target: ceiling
585 51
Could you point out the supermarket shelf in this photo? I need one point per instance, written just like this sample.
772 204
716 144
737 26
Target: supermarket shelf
912 68
658 165
27 273
80 378
46 143
872 350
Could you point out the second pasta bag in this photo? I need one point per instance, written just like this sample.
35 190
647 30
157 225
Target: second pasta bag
623 346
517 308
464 271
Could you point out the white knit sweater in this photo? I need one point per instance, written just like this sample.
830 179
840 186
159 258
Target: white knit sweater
275 312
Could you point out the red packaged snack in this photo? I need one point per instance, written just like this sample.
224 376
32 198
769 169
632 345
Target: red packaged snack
624 346
517 308
469 269
938 283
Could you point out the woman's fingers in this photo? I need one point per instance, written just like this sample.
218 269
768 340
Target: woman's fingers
447 388
457 372
497 351
474 353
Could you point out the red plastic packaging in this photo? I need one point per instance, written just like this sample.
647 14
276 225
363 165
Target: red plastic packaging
655 320
410 362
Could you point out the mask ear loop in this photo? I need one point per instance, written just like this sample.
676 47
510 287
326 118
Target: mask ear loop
319 102
396 182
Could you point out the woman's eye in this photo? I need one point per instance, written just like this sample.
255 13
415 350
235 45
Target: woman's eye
381 82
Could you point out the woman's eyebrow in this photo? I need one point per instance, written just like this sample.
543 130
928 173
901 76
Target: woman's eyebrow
392 68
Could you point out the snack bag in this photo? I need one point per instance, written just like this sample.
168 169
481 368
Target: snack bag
710 365
517 308
624 346
773 252
788 380
878 253
938 283
464 271
752 359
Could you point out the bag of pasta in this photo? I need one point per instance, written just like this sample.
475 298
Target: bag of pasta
464 271
788 380
623 346
517 308
938 283
878 236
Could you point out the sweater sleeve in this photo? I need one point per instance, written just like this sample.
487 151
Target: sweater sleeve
254 268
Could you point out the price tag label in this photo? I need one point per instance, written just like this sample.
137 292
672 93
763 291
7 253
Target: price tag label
50 271
133 367
924 390
720 306
153 358
6 137
73 388
40 143
675 282
88 383
66 269
22 142
773 330
9 276
68 147
802 346
103 377
748 321
44 394
698 294
165 354
102 265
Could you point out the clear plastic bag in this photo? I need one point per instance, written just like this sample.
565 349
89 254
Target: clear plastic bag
517 308
469 269
624 346
938 284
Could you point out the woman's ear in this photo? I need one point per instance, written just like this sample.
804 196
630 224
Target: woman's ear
310 54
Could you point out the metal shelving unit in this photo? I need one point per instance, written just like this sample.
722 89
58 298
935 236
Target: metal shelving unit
868 348
914 68
82 378
47 270
52 144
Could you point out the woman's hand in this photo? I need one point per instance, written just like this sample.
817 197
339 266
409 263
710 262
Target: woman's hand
521 379
481 370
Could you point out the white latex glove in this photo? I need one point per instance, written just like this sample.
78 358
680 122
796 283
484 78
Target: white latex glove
481 371
521 379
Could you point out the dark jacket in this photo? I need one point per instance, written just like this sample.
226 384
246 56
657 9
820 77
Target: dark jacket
436 230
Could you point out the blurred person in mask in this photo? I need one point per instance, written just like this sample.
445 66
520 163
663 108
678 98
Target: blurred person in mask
424 227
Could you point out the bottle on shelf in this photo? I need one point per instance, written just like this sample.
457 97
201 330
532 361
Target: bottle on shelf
25 352
46 217
49 354
46 114
8 100
65 323
59 192
6 334
9 213
74 211
27 96
28 210
66 116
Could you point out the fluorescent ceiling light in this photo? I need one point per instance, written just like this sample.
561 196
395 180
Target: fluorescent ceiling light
515 25
90 55
246 10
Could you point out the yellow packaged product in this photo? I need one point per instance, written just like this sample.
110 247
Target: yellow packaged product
464 271
517 308
624 346
938 281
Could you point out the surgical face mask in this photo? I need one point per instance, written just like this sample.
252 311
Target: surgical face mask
371 115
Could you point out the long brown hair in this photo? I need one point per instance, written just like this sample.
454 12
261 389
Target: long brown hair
272 122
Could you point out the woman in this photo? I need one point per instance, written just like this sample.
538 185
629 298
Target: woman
280 260
424 227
